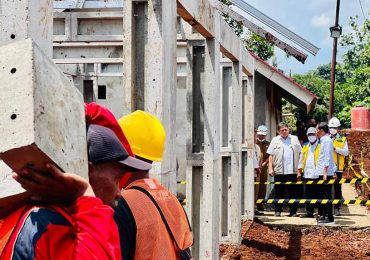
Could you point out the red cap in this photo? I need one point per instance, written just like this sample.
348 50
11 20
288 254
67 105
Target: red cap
99 115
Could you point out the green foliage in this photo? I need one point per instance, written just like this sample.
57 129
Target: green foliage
259 45
352 77
253 42
235 25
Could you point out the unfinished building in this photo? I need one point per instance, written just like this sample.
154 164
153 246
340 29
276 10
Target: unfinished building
180 61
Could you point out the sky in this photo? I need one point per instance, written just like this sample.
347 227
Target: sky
311 20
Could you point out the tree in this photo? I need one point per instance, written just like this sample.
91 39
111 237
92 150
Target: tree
352 77
259 45
235 25
253 42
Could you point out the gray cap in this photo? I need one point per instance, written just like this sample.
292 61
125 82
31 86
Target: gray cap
104 146
311 130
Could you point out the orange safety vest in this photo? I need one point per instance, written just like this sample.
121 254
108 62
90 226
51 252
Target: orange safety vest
152 238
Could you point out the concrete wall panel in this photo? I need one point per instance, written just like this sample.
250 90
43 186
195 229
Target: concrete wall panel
42 112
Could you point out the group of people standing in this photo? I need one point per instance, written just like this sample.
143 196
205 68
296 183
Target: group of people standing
321 158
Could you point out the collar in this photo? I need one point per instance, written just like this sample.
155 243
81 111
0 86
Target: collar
281 138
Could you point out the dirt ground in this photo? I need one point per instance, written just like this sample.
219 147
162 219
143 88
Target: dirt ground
263 242
359 143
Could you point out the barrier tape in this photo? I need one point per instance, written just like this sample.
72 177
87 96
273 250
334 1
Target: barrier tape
313 201
332 181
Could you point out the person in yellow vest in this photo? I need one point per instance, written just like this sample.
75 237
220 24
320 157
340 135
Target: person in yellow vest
307 169
340 152
151 221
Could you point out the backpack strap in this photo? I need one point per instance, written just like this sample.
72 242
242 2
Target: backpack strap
147 193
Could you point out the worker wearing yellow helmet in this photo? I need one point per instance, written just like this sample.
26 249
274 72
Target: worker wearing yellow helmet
151 221
145 133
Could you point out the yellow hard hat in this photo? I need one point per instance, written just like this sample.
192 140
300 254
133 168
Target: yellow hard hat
145 133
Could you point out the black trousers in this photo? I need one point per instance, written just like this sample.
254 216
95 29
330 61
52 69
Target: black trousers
326 193
311 191
280 192
338 190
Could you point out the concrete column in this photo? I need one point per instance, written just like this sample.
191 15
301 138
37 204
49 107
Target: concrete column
22 19
128 54
248 166
209 216
160 81
236 143
260 99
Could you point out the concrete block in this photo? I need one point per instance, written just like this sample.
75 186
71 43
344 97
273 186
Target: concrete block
8 186
22 19
42 113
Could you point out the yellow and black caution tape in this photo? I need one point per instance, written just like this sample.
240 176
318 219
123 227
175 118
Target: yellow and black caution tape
181 182
313 201
332 181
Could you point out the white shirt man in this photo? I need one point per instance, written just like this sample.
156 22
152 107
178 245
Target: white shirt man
325 157
291 149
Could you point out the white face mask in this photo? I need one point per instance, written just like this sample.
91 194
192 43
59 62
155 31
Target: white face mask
333 131
312 139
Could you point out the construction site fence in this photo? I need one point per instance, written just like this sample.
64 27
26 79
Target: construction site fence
332 181
312 201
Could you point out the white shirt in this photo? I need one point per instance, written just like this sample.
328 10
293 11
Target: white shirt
310 168
326 157
342 151
288 159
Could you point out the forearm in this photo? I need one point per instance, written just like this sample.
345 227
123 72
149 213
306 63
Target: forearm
12 203
271 169
342 151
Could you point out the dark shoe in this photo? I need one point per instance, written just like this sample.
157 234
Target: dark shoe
337 212
293 215
277 214
307 216
328 222
320 218
258 213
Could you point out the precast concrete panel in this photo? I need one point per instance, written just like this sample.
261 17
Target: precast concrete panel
42 112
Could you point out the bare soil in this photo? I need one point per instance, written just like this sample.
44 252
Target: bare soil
264 242
359 145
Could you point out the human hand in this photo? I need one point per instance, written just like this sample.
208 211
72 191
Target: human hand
299 176
54 185
325 177
271 173
258 171
335 176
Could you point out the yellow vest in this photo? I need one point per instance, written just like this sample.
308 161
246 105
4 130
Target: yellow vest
338 158
305 150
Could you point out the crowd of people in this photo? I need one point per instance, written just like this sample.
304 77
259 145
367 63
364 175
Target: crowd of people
119 213
321 156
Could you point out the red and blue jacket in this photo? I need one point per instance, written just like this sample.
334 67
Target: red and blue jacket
86 230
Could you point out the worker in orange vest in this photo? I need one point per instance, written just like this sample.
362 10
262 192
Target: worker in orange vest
151 221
